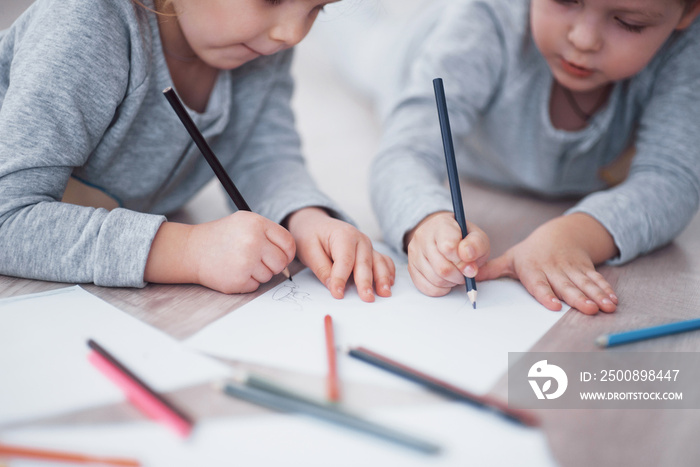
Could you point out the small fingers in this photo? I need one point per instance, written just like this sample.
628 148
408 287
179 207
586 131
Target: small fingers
384 273
262 273
539 287
440 270
446 243
425 285
343 259
280 237
317 260
474 248
595 292
274 259
363 270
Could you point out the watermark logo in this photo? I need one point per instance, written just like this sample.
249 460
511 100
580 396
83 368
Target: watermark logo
543 370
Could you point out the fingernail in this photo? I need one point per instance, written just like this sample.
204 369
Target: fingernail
328 281
470 252
369 292
556 300
613 297
386 287
469 271
607 301
339 290
590 302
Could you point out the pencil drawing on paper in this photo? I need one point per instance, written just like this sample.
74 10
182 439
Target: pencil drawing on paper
290 293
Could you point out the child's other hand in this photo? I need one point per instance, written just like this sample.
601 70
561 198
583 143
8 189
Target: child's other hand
234 254
557 262
438 257
334 249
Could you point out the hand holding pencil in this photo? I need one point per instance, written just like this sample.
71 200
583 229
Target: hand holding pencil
331 248
443 249
234 254
439 258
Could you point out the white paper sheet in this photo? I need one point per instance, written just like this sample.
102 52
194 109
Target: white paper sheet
44 369
441 336
467 436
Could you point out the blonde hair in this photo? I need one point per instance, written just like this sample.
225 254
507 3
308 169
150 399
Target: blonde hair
159 5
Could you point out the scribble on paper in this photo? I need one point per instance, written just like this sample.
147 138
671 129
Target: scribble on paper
290 293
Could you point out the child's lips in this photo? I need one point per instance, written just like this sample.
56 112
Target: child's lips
252 50
576 70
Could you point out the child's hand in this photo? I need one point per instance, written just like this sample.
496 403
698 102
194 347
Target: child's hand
557 262
234 254
334 249
438 257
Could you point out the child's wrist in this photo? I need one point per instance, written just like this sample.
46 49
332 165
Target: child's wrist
171 259
303 216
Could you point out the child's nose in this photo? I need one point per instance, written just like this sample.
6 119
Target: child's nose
289 32
585 34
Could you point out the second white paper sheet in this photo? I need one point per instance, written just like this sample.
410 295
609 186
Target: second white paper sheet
444 336
44 369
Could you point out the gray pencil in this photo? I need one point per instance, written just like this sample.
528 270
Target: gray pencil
326 412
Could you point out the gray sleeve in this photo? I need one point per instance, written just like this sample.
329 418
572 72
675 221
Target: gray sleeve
662 192
274 177
69 73
407 179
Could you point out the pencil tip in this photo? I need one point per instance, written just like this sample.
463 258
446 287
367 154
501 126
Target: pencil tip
472 298
602 341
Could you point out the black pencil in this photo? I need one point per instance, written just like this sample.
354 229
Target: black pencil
209 155
452 174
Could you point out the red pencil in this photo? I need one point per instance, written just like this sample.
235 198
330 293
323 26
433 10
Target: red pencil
332 382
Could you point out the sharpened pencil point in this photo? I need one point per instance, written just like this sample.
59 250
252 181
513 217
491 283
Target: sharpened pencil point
472 298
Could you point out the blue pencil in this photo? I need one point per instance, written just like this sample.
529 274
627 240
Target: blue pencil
609 340
452 174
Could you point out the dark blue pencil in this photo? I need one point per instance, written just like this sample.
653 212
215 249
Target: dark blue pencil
452 174
609 340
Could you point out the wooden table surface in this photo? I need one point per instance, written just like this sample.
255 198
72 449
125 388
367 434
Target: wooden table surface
657 288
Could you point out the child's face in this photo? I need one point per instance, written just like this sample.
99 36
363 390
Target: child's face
225 34
591 43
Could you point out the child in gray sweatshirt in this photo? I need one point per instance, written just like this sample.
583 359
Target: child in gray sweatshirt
81 100
545 96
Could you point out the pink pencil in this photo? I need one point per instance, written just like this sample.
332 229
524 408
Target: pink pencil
138 392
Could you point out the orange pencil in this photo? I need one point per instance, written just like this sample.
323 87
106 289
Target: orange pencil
333 383
7 451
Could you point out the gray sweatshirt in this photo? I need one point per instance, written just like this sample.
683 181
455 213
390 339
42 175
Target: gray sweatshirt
498 87
81 96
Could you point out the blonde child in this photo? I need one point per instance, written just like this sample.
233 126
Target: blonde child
543 96
81 101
